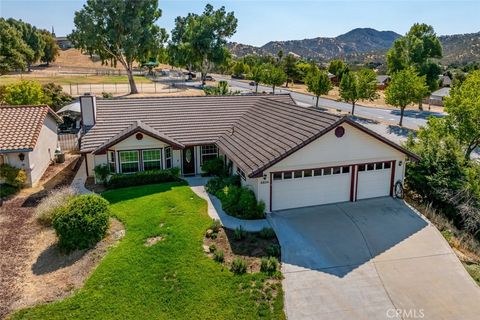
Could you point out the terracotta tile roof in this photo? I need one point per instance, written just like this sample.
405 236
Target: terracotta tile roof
21 125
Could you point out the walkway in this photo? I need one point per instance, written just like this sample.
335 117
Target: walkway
215 210
78 182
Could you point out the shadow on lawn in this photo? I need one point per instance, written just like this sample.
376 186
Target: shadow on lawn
52 259
129 193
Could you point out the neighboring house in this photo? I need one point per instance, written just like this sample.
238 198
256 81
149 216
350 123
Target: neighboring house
382 82
436 98
290 156
71 117
28 138
64 43
445 81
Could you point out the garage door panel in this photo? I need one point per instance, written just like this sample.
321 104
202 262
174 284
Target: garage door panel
374 183
310 191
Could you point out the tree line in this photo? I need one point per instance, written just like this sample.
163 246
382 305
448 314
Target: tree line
22 45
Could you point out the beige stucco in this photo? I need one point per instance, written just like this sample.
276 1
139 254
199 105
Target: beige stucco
37 161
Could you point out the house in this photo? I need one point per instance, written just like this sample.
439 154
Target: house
290 156
382 82
71 116
28 138
436 98
63 42
445 81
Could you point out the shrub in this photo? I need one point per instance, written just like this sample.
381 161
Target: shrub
52 203
216 184
214 167
102 171
7 190
239 266
143 177
13 176
219 256
82 222
216 225
212 247
107 95
273 250
269 265
267 233
241 202
239 233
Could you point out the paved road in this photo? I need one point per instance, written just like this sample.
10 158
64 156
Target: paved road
412 119
364 260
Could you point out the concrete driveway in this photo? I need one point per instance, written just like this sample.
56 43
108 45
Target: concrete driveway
373 259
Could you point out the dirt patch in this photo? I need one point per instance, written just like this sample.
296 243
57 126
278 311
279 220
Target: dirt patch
252 248
95 187
50 275
151 241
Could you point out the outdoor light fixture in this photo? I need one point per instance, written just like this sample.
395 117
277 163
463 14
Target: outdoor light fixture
21 156
264 176
400 163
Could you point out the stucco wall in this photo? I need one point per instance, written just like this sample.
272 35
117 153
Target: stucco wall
354 147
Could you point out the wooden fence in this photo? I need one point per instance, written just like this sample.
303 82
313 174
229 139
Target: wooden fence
69 141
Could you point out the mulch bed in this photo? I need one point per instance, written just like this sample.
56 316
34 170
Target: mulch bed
252 248
16 229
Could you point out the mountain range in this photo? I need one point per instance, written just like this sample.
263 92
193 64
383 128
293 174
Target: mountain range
361 45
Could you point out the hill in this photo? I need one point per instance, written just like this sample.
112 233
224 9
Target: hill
362 45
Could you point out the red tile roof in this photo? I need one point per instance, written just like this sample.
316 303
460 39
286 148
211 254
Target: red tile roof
20 126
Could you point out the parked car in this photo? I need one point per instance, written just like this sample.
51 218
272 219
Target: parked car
209 78
252 83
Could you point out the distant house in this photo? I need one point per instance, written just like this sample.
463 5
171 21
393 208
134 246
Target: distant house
382 81
28 138
333 78
437 97
445 81
64 43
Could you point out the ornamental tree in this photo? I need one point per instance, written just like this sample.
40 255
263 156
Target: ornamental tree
358 86
273 76
405 88
119 31
318 83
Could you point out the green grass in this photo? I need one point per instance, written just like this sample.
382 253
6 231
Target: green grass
86 79
172 279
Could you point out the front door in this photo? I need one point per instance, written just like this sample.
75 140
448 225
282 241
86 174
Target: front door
188 161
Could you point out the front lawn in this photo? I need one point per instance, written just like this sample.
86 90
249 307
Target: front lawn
173 278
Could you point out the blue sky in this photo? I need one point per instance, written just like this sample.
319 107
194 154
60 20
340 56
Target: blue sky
260 21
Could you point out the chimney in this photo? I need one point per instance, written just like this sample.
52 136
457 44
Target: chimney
88 110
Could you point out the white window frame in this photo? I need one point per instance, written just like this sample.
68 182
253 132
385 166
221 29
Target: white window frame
155 160
122 162
169 149
208 153
241 173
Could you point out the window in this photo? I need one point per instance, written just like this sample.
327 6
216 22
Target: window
387 165
346 169
152 159
129 161
307 173
168 157
361 167
327 171
317 172
287 175
111 160
277 176
208 152
298 174
370 167
337 170
241 173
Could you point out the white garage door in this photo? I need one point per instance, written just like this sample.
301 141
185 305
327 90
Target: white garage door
302 188
374 180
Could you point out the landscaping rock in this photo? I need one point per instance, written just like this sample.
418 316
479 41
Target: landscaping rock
151 241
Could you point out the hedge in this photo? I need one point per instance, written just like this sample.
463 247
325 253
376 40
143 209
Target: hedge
143 177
